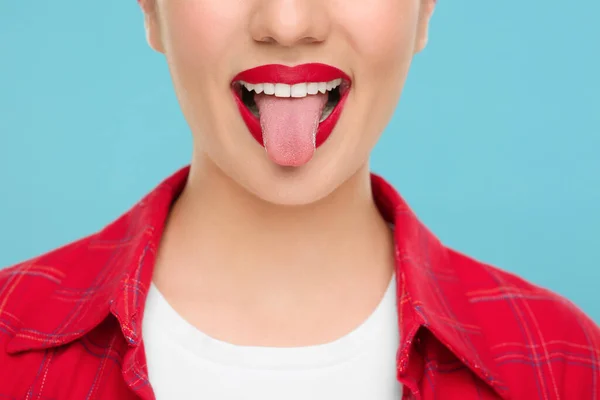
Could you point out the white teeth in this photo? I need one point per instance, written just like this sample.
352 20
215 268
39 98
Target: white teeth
312 88
282 90
269 88
322 87
297 90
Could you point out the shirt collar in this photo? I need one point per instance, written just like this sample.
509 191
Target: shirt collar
110 273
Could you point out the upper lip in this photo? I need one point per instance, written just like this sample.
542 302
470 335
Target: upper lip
277 73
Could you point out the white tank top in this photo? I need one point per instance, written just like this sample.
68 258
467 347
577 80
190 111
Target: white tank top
185 363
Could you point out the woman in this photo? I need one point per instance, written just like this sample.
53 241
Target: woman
276 266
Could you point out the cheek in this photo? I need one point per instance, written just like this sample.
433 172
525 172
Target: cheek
198 37
382 35
197 32
381 31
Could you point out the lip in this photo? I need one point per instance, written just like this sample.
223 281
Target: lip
277 73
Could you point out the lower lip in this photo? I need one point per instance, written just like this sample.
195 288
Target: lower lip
323 131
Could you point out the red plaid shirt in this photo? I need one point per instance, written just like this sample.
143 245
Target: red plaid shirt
70 320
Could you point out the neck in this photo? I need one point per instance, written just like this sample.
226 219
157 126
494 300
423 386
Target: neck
217 224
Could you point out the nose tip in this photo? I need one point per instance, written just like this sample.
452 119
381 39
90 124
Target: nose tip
289 23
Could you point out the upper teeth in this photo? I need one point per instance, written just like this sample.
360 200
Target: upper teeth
297 90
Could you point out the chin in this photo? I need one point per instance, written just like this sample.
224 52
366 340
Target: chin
291 189
251 172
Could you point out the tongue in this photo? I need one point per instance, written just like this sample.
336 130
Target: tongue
289 126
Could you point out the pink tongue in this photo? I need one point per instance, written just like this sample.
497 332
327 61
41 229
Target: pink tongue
289 126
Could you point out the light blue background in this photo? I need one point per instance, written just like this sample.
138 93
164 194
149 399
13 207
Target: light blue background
495 143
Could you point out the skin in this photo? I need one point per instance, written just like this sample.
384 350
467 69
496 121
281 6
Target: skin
254 253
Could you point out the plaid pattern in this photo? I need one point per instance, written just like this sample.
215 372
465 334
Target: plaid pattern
70 320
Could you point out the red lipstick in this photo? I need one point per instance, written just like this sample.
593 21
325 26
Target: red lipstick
305 73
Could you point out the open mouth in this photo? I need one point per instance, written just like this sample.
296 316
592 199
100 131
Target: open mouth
335 90
291 110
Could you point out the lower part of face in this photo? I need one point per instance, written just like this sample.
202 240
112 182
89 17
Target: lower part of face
208 42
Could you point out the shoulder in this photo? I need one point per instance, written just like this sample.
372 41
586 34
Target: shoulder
518 302
26 284
531 328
